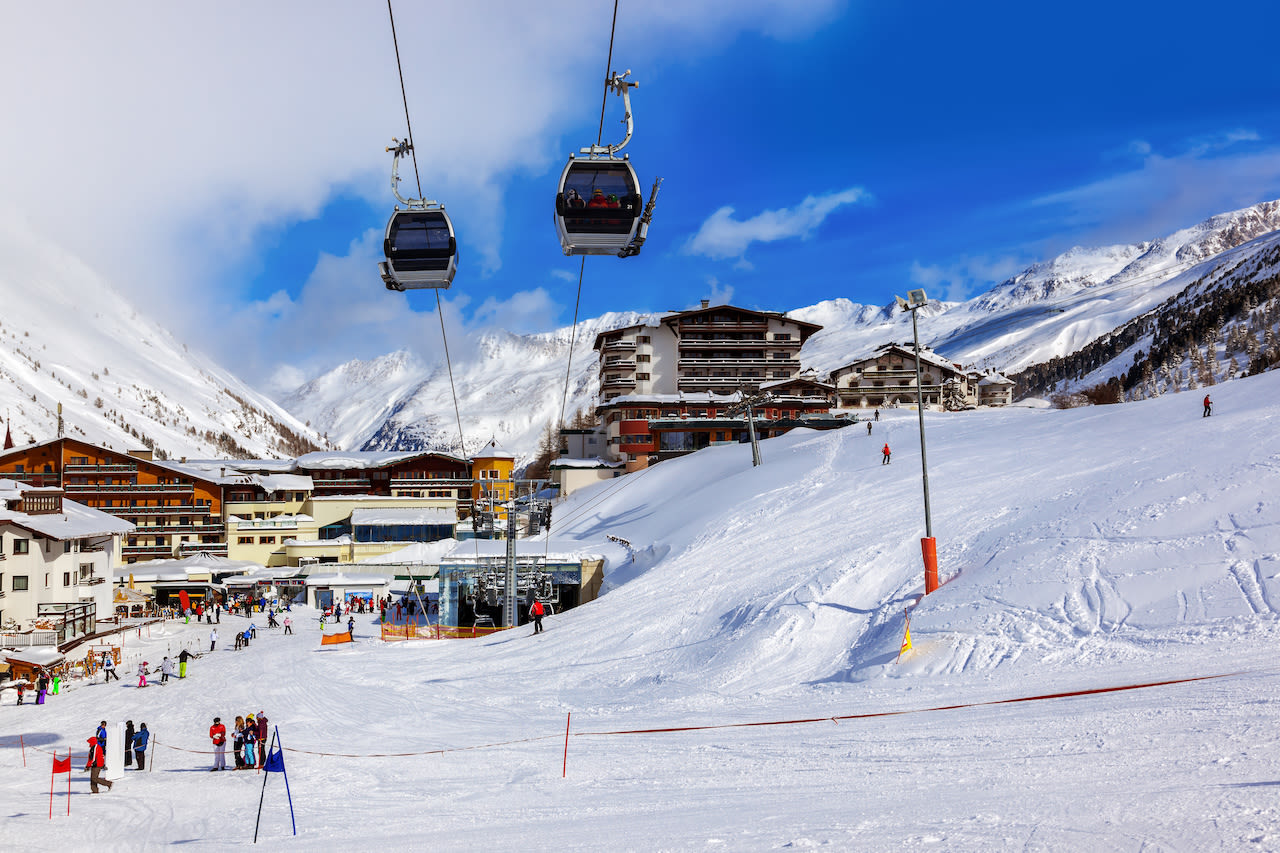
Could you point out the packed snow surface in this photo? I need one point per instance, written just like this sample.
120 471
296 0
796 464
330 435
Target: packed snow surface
738 687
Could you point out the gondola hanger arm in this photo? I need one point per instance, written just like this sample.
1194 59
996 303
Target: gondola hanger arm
619 85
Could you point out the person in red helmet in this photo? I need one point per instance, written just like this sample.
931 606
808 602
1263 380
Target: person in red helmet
95 764
598 199
885 451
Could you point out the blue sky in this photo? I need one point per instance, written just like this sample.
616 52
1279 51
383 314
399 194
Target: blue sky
809 151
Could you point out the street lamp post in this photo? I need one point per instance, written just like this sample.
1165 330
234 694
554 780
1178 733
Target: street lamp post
916 300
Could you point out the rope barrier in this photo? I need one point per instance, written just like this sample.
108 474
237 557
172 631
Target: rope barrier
1093 691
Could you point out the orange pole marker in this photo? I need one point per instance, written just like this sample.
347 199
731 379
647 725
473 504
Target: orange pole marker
929 548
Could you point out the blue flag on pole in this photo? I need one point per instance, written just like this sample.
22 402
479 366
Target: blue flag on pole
275 761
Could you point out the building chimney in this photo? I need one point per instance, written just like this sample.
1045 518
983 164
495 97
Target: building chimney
706 303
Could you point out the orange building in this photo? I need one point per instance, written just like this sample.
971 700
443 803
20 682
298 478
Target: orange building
175 512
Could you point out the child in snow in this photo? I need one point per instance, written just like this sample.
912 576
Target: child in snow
142 674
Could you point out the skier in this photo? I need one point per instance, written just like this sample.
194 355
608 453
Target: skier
95 764
109 668
166 669
351 627
885 451
288 625
140 746
42 687
537 611
142 674
218 734
183 656
250 738
239 640
1208 406
213 639
877 414
253 630
22 688
868 427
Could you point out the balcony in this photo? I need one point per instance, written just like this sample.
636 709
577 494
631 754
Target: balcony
726 343
147 551
607 345
92 580
186 509
620 364
618 382
702 383
121 468
217 549
165 529
431 482
129 488
744 324
733 363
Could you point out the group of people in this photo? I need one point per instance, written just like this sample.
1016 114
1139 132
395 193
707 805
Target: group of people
166 669
44 680
248 741
135 752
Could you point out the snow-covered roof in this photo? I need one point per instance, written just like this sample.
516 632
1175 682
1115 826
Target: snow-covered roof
284 482
180 570
336 460
593 462
342 579
493 451
419 553
76 521
557 551
995 379
34 656
393 515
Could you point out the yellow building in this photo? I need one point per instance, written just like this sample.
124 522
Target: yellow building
492 472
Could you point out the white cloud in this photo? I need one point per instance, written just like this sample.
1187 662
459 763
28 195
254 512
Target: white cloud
721 236
564 275
1167 192
959 279
185 132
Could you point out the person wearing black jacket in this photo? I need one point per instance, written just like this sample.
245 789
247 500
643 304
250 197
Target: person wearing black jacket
183 656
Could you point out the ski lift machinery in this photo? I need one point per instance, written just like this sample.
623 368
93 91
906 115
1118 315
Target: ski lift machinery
600 209
420 247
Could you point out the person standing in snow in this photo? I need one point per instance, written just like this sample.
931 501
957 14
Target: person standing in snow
95 764
536 612
868 427
128 741
142 674
250 739
101 734
885 451
183 657
877 414
109 668
166 669
351 627
237 743
218 734
139 746
42 686
262 739
1208 406
213 639
253 630
288 625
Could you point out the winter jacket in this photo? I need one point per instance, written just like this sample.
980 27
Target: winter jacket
262 728
140 740
184 655
218 734
96 758
166 667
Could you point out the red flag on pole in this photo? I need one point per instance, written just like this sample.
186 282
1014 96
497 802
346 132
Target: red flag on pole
62 765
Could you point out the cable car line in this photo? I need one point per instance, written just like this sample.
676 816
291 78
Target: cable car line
414 234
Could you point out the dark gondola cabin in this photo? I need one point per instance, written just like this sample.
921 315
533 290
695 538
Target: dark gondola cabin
421 250
598 207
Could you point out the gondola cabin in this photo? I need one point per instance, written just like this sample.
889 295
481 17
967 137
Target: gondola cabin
421 250
598 207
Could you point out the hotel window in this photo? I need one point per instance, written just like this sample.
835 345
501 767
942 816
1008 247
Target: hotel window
642 339
266 540
244 540
20 583
21 546
642 377
642 359
66 578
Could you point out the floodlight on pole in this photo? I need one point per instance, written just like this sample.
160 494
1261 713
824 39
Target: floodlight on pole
916 299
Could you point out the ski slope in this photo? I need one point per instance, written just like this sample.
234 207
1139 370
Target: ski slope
737 688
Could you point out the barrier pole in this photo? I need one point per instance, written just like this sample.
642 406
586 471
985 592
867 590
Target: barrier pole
929 550
564 771
23 744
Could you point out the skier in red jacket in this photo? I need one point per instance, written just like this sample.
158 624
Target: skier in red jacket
536 610
1208 406
885 451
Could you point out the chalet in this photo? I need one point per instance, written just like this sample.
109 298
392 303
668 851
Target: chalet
888 378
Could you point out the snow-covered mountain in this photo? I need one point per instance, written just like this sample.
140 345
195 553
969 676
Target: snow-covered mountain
123 381
514 389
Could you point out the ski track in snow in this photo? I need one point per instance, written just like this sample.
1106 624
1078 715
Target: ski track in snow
1081 549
